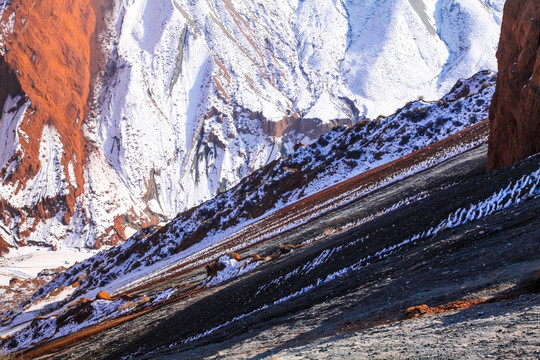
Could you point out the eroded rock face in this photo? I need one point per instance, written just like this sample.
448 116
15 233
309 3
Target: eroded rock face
49 59
515 110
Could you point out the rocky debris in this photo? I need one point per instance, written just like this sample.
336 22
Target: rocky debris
213 268
102 295
336 156
287 248
502 330
217 265
98 272
515 110
417 311
257 194
263 75
20 290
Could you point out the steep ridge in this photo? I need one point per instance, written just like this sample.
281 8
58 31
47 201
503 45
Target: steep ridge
188 98
336 156
172 315
515 113
229 87
266 202
51 56
47 52
381 272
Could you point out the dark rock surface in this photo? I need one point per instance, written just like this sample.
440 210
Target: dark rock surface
10 83
515 109
491 258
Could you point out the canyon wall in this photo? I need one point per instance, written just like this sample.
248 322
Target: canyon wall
515 111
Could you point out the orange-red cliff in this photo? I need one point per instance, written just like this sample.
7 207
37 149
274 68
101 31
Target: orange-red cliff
52 57
515 110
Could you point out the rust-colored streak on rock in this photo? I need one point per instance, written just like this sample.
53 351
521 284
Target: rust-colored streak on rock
4 247
50 51
515 110
424 310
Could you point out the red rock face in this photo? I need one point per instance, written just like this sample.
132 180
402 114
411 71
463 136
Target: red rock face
52 57
515 110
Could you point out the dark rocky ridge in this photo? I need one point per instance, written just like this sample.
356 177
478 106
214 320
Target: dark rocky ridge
259 193
515 109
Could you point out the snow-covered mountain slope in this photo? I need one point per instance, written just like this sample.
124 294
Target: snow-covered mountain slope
227 87
335 157
193 96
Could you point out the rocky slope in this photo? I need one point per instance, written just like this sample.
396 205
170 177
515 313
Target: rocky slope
46 196
515 114
282 195
187 98
443 240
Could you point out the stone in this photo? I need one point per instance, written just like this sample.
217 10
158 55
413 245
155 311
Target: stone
515 109
102 295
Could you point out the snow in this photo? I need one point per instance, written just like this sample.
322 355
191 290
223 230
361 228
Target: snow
27 261
158 149
28 330
157 259
513 194
382 137
415 126
9 140
62 295
325 109
194 89
233 268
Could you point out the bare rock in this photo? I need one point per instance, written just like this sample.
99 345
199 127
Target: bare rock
515 110
102 295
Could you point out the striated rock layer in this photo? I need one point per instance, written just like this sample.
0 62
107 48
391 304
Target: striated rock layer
515 110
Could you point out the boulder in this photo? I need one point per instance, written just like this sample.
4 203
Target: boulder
102 295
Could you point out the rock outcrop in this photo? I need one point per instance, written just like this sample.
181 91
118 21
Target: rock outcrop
50 58
515 110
